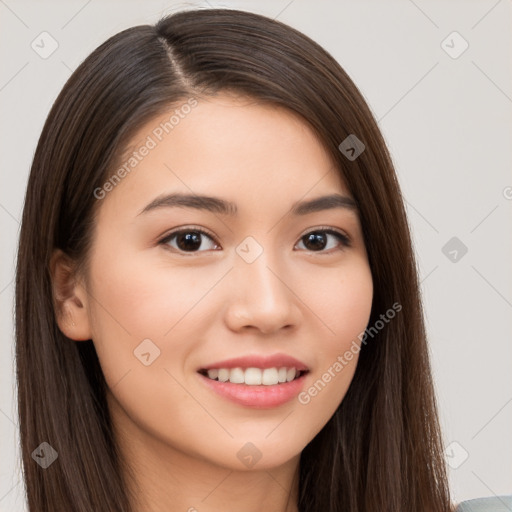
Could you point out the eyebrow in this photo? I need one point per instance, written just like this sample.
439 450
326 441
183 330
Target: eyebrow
221 206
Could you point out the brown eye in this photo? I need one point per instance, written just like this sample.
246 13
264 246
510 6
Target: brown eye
188 240
318 240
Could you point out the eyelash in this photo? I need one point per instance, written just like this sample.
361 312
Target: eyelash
343 239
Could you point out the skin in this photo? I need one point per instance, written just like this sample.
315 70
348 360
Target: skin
179 438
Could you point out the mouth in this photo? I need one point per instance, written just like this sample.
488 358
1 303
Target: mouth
253 376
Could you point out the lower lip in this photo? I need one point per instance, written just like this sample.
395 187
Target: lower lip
260 397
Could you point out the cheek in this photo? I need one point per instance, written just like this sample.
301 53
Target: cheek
341 300
134 299
140 298
141 317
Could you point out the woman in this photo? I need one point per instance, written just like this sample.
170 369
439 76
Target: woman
235 319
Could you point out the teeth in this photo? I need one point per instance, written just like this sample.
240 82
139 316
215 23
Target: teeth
270 377
223 375
290 374
254 376
236 375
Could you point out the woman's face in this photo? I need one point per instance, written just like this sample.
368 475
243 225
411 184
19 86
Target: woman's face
270 284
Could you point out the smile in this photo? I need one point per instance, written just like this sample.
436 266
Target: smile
254 376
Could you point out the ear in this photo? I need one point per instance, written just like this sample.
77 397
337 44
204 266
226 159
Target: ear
70 298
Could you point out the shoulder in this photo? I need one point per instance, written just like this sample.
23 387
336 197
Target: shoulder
493 504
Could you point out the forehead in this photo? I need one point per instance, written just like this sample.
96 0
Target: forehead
228 146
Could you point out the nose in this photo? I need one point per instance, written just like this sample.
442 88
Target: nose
261 297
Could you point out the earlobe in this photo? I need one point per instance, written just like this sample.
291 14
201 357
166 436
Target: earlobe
69 298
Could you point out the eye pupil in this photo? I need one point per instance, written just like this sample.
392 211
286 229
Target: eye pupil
189 236
315 237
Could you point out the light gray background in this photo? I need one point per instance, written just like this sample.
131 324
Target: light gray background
448 125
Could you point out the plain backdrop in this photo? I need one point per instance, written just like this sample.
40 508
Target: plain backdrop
444 105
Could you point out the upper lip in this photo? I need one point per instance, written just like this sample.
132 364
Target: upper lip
259 361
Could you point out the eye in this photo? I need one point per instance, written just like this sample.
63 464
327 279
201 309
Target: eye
188 240
191 240
318 239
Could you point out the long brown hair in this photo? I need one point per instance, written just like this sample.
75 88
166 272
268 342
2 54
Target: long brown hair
382 449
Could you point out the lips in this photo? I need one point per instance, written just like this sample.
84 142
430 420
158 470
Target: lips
256 381
258 361
256 370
